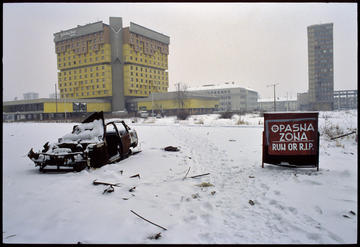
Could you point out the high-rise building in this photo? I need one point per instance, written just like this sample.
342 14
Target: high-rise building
111 62
321 67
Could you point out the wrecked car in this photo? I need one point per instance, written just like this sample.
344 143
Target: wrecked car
93 143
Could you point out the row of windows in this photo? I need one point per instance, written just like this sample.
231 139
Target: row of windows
146 44
93 37
219 92
84 61
83 88
80 76
150 76
94 93
132 79
64 84
85 70
145 86
154 89
141 69
146 61
79 56
159 57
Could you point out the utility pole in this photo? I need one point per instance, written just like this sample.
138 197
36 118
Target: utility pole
152 104
274 85
56 98
287 99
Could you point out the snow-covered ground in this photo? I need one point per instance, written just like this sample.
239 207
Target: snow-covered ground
246 204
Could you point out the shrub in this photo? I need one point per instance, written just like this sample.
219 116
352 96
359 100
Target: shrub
240 121
182 115
199 121
226 115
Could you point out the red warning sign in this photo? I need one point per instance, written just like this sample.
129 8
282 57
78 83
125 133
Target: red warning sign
291 136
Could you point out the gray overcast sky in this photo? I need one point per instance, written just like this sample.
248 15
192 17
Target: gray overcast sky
253 44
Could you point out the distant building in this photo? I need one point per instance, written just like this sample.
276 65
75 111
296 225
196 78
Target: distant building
30 95
321 67
43 109
170 103
232 97
303 101
282 104
111 62
345 99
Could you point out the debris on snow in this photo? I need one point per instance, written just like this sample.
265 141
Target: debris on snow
109 189
251 202
186 173
156 236
104 183
200 175
136 175
205 184
171 149
148 220
194 196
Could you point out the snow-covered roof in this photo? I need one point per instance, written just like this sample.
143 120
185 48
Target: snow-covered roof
172 96
218 87
277 99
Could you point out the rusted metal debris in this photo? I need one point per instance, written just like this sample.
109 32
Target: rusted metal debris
148 220
156 236
105 183
200 175
109 189
333 138
134 176
186 173
171 149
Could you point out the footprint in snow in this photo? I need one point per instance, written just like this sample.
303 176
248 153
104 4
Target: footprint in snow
318 210
276 192
264 186
207 205
311 182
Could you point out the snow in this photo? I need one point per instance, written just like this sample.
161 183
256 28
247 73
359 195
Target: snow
86 132
291 205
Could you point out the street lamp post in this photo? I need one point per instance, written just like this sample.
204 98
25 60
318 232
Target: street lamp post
275 84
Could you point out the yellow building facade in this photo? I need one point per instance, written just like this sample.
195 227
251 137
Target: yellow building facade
169 103
89 60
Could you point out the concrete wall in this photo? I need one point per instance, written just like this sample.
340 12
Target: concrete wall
117 64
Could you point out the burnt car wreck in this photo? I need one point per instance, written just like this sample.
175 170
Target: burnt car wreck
93 143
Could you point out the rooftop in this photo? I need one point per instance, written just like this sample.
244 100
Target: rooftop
226 85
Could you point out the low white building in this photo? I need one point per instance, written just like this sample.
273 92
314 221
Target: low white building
282 104
232 97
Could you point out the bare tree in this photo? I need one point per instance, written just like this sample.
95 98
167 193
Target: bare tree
181 91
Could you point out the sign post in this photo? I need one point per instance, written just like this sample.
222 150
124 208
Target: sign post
291 139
